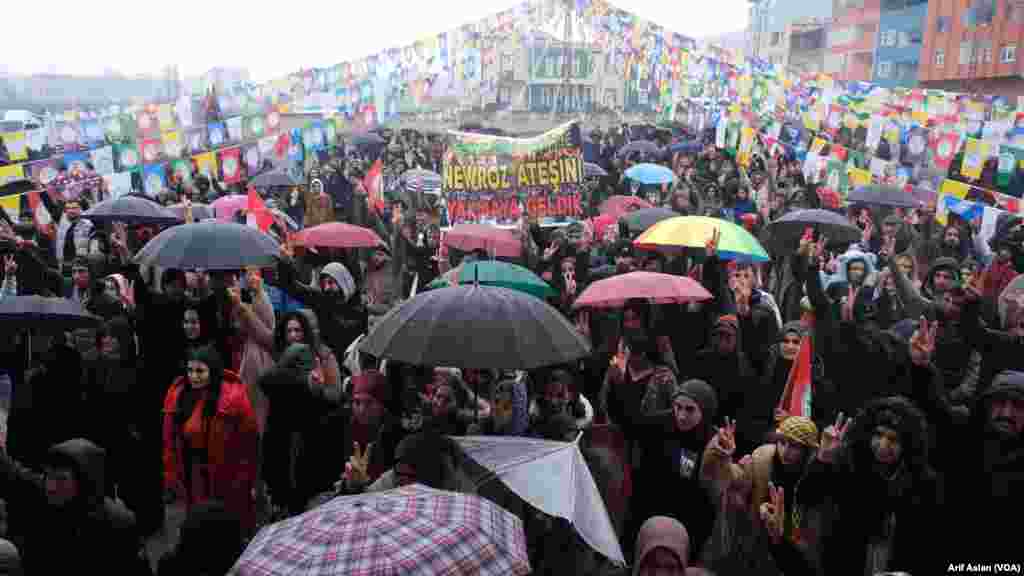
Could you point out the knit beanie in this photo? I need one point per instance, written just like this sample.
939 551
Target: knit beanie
799 429
373 384
700 392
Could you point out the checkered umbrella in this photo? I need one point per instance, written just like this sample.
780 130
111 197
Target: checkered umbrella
412 531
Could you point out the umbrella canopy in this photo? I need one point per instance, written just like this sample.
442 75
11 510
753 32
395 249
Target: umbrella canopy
619 205
495 273
470 237
476 327
552 477
199 211
1013 291
413 531
368 139
641 220
658 288
338 235
209 245
130 210
650 174
686 147
274 178
640 147
420 181
787 230
883 196
591 170
226 207
694 231
29 312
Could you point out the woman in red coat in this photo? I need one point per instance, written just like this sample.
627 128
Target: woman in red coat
210 437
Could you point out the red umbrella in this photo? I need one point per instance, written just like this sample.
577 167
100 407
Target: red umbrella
338 235
494 241
658 288
621 205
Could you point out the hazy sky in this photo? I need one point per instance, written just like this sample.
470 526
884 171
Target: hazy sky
272 39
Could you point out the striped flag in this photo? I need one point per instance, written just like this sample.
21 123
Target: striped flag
41 216
796 397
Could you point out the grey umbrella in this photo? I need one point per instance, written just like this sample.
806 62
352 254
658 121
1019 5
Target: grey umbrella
27 312
591 170
130 210
787 230
473 326
883 196
209 245
274 178
199 211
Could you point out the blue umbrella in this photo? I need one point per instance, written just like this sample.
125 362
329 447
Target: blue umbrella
650 174
687 147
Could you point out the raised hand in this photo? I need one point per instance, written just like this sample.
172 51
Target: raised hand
807 244
847 307
869 228
819 248
773 513
832 438
10 265
357 467
711 246
583 322
253 280
742 296
922 343
287 249
724 442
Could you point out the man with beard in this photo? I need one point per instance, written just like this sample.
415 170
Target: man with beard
987 471
72 239
781 465
337 303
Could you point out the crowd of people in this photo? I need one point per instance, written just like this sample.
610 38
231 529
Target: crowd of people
243 396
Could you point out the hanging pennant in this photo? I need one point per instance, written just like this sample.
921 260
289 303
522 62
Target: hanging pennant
216 135
206 164
974 159
1010 159
165 117
151 150
103 160
16 145
126 158
196 140
944 149
173 146
154 179
254 127
234 129
147 125
230 160
181 170
252 158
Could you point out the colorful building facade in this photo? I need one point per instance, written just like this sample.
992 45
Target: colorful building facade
901 27
852 39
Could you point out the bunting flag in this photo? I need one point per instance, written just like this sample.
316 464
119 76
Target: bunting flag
257 215
282 146
1010 158
154 179
944 148
206 164
126 158
165 117
92 133
251 157
146 125
196 140
273 122
234 129
11 173
254 127
230 160
181 170
103 160
173 144
796 396
216 135
17 146
40 215
11 205
151 149
975 154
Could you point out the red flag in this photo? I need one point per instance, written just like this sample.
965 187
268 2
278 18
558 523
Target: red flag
258 216
796 397
41 216
374 184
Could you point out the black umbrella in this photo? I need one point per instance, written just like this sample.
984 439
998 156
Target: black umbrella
640 220
591 170
274 178
130 210
31 312
477 327
883 196
787 230
209 245
368 139
641 147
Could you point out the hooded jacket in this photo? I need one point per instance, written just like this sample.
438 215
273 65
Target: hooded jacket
90 534
343 316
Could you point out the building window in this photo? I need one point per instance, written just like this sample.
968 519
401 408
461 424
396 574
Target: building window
966 52
985 51
1008 54
940 57
1015 11
884 68
888 38
942 24
980 13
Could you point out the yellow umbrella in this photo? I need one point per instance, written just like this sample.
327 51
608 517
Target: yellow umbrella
735 243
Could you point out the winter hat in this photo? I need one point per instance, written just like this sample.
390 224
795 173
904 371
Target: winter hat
341 275
728 323
371 383
701 393
794 327
799 429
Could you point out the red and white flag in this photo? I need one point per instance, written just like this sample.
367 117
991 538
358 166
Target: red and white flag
41 215
374 184
257 215
796 397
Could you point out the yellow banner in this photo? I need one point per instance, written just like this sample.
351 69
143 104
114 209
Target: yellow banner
11 173
975 152
746 148
206 163
17 146
859 177
12 206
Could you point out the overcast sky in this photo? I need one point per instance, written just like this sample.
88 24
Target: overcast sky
272 39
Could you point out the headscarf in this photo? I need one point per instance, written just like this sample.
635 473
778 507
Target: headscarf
662 532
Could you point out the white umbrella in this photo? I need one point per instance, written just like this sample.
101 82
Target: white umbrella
552 477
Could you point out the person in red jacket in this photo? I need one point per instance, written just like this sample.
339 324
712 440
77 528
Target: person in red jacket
210 437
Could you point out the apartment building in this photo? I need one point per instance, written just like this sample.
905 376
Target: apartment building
901 27
852 39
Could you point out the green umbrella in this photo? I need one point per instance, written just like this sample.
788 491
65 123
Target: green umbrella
495 273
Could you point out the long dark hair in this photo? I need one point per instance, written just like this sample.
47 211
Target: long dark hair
207 355
120 329
281 333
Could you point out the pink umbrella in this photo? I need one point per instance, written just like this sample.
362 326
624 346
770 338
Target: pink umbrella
226 207
494 241
619 205
652 286
338 235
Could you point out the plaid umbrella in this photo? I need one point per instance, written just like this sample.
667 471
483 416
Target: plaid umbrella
413 531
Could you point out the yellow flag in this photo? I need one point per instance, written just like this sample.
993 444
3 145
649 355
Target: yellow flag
206 163
952 188
12 206
746 146
974 158
17 146
11 173
859 177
